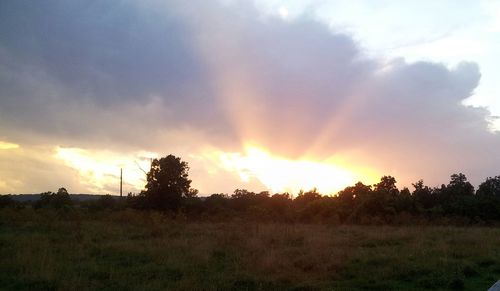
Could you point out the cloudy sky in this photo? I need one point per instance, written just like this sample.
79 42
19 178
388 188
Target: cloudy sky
263 95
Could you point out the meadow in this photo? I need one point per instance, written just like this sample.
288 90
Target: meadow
134 250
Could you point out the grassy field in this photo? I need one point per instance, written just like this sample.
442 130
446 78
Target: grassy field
128 250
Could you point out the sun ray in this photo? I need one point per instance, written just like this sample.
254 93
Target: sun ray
284 175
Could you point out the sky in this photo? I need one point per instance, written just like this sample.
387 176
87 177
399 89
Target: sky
263 95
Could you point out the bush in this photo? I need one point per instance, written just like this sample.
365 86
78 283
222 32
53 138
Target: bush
6 201
58 200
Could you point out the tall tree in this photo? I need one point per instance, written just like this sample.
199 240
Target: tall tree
387 185
423 195
490 188
488 195
460 186
167 183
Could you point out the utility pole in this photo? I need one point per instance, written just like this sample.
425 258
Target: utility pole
121 181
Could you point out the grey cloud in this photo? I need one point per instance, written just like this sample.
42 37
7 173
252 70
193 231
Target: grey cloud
102 50
71 68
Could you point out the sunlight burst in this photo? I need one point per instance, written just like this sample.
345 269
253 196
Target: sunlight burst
8 145
284 175
283 12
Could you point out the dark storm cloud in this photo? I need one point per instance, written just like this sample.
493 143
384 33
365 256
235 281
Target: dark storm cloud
69 66
108 51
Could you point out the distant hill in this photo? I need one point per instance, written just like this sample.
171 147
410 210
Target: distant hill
74 197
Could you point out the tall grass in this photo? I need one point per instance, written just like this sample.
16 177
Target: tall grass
129 250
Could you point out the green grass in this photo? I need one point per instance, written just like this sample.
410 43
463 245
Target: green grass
128 250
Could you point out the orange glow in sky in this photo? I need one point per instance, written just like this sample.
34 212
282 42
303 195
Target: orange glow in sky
8 145
284 175
254 166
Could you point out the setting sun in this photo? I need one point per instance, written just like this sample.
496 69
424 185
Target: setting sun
285 175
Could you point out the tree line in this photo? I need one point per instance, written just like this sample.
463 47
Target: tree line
168 189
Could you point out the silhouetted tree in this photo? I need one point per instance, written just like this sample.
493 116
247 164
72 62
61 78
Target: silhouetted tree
380 202
460 186
361 191
404 202
457 198
241 193
347 198
167 184
242 199
44 200
305 198
387 186
490 188
423 196
57 200
488 195
61 198
168 188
